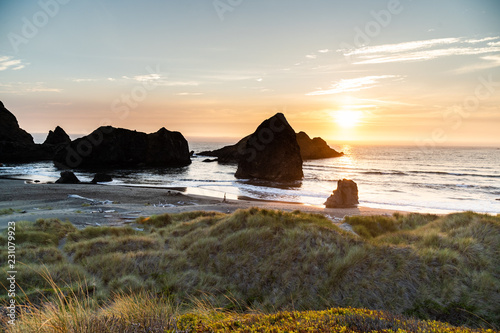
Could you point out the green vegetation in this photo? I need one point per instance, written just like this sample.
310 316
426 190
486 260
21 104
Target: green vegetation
9 211
6 211
433 268
374 226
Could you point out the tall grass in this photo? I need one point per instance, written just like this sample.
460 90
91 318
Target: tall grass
445 268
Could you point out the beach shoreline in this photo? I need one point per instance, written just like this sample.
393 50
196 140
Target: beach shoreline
96 204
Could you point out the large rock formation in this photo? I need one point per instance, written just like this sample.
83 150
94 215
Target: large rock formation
309 149
57 137
109 147
101 178
68 177
345 196
271 152
315 148
10 130
17 146
228 154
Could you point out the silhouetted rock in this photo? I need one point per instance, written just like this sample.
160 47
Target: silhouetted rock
102 178
271 152
315 148
309 149
57 137
345 196
208 160
16 145
109 147
67 177
10 130
228 154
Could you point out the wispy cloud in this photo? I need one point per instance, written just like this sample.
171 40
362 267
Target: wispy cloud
232 76
147 77
7 62
490 61
21 88
157 78
189 94
85 80
423 50
349 85
161 80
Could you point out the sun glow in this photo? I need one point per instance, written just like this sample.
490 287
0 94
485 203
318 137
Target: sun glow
347 118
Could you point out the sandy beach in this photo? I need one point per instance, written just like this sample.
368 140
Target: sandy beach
94 204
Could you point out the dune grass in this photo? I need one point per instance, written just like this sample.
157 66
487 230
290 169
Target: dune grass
433 268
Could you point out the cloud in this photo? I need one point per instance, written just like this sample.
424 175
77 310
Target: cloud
85 80
161 80
422 50
189 94
490 61
347 85
7 62
148 77
228 76
324 51
43 89
158 79
311 56
21 88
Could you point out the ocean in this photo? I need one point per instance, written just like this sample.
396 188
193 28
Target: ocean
441 180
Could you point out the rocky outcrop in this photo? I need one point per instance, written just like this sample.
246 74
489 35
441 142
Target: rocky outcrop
57 137
10 130
271 152
17 146
228 154
68 177
315 148
345 196
309 149
109 147
101 178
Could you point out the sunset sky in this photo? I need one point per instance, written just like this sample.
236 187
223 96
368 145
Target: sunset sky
400 72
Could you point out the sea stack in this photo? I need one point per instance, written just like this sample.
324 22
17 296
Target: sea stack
57 137
345 196
309 149
271 152
316 148
17 145
10 130
109 147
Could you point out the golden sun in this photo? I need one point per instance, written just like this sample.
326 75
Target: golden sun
347 119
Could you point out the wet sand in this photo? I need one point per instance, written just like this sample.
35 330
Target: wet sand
94 204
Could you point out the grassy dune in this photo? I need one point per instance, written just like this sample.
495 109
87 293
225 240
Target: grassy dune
270 262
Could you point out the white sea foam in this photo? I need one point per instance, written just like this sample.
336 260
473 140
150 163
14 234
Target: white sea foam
449 179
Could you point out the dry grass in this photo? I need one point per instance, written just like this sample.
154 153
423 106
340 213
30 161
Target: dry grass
444 268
